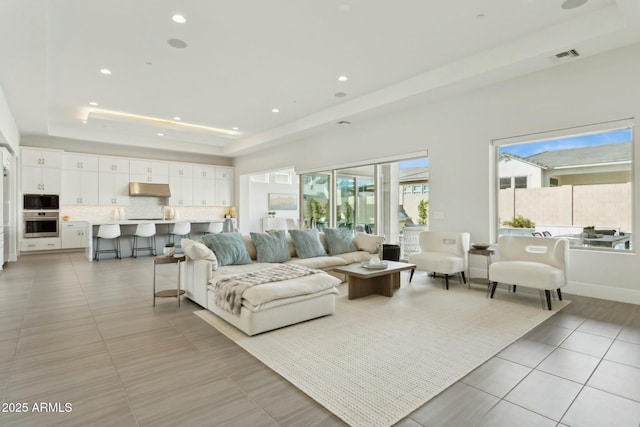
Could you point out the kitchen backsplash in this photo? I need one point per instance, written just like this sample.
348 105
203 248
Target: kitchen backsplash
141 208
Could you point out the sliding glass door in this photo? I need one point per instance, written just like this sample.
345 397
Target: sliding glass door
315 200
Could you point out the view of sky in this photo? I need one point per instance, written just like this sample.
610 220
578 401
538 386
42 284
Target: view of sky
422 162
530 148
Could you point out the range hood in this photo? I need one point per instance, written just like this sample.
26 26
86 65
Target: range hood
148 189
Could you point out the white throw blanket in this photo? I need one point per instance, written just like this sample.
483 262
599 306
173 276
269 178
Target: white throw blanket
229 290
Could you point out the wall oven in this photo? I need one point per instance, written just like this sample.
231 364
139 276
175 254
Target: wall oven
41 202
41 224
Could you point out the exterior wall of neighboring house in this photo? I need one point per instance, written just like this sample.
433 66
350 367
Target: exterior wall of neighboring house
510 168
410 200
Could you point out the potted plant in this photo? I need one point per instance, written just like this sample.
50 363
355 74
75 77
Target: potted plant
169 249
271 214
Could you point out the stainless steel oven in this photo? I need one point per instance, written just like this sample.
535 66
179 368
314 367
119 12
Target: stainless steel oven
41 224
41 202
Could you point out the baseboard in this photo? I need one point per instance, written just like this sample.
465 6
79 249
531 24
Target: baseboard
631 296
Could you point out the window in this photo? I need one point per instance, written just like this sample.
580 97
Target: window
417 189
407 189
577 186
520 182
425 188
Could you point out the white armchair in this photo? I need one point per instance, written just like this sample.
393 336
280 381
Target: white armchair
442 252
533 262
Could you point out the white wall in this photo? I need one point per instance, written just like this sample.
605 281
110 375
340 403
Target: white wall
9 134
458 132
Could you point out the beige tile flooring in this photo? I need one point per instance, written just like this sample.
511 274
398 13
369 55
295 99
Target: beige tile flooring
87 334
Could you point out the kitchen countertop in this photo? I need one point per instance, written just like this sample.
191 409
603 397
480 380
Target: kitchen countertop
155 221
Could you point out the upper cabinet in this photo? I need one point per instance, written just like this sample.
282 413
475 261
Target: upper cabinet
79 179
83 179
204 185
181 184
224 186
113 181
41 171
149 171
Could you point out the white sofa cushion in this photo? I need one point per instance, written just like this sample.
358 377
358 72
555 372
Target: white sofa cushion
527 273
368 242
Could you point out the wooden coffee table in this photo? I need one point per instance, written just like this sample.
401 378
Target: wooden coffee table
364 281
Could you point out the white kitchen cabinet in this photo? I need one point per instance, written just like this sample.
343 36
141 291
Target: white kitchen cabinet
41 158
40 244
41 171
113 181
113 164
73 234
204 185
79 179
181 184
224 186
80 162
149 171
223 173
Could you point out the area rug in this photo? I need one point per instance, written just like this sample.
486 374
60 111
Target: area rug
377 359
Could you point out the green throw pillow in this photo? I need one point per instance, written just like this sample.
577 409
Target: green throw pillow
339 240
228 247
307 243
271 246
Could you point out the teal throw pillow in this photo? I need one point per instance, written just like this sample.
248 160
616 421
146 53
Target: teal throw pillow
307 243
228 247
339 240
271 246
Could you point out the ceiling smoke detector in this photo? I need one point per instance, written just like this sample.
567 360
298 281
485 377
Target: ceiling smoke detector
344 122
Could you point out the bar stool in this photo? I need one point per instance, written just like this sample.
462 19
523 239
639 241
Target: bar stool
108 232
146 230
180 229
215 227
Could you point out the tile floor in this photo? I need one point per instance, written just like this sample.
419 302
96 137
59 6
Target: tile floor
87 334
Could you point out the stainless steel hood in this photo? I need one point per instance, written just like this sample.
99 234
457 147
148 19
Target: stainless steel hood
148 189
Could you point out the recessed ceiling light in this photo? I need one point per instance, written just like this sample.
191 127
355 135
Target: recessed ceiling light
344 7
179 19
177 118
95 104
235 128
105 71
339 94
572 4
342 78
84 122
480 16
275 110
160 134
177 43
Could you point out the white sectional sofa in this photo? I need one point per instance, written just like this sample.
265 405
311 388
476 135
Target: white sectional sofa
303 298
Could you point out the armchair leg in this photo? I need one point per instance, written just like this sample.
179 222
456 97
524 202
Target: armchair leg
547 293
559 294
493 288
464 279
411 277
446 282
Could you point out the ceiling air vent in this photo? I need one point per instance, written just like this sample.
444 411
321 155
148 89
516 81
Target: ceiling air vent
567 54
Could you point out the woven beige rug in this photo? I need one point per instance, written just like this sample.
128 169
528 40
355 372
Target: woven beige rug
377 359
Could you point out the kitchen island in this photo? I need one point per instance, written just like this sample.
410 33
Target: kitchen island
128 228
